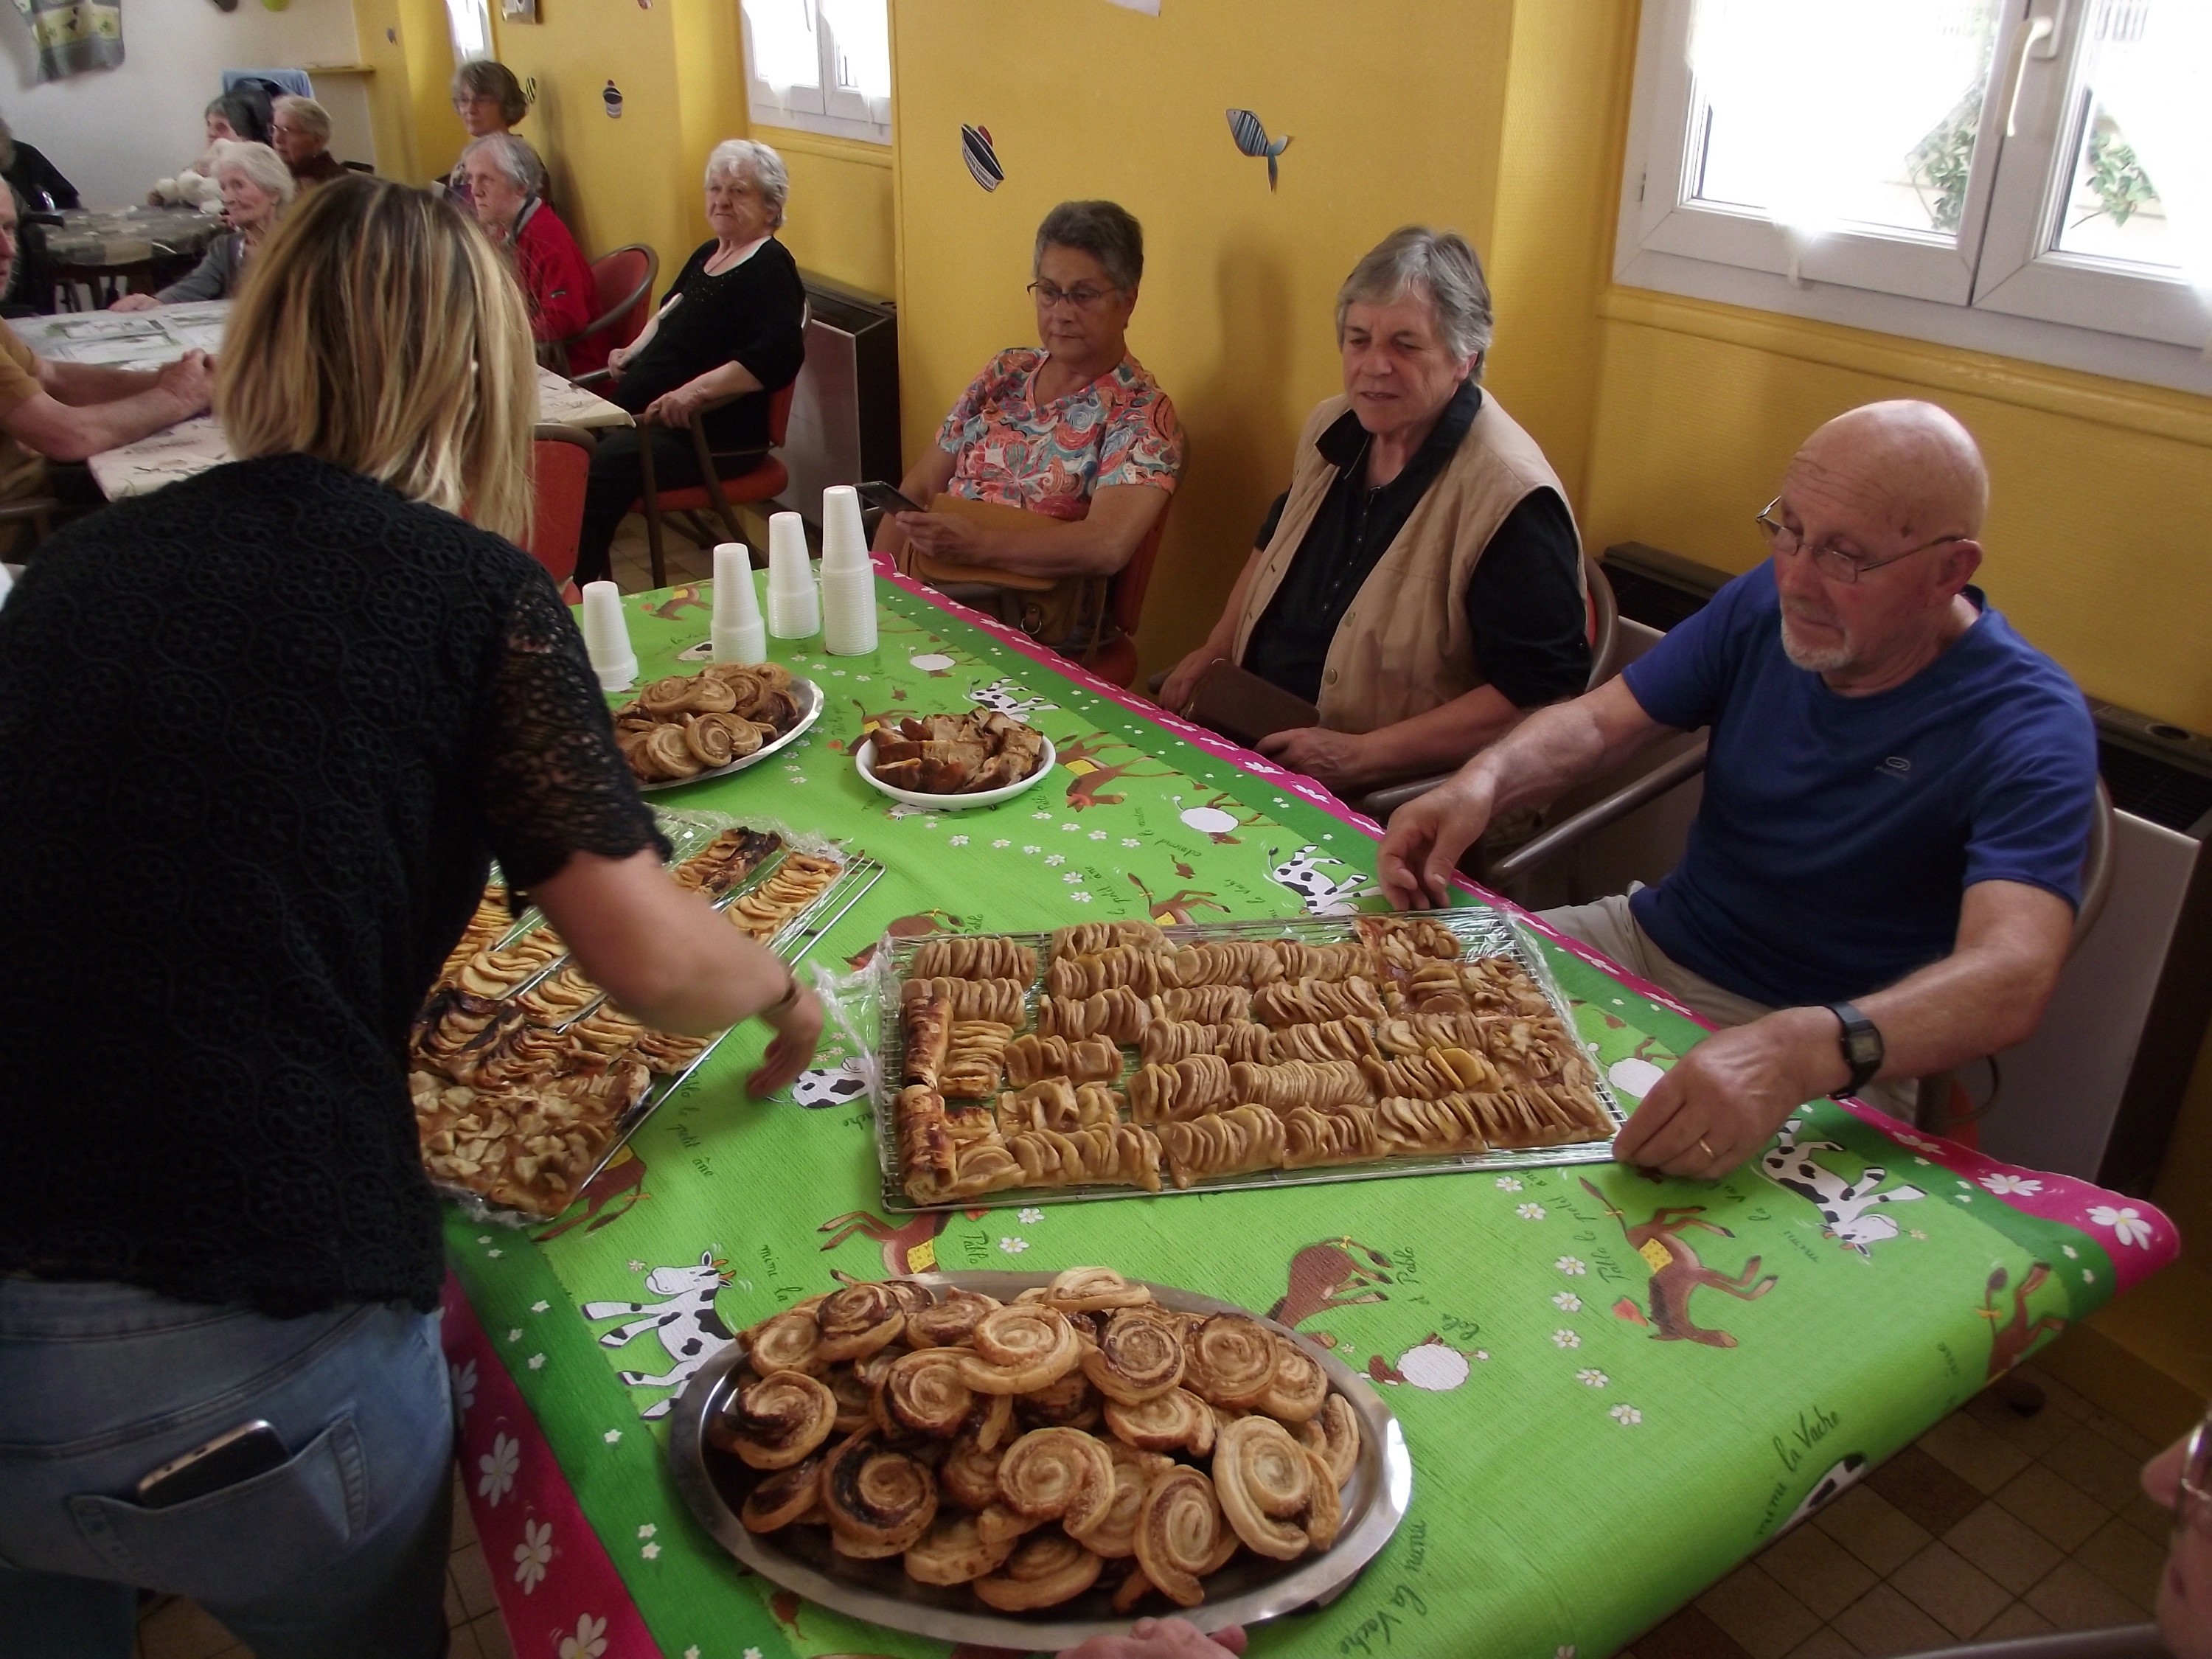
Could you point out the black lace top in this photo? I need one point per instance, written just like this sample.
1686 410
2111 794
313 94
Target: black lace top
259 734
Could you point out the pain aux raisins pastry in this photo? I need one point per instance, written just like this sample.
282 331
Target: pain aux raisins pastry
687 724
954 754
1129 1059
1083 1435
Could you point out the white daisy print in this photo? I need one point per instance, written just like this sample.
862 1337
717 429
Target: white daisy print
648 1530
1097 834
495 1255
1508 1184
538 1362
1069 828
1080 896
1030 849
1131 840
651 1552
1480 1353
691 1652
483 1239
1029 1217
533 1555
1073 877
1916 1143
752 1653
1917 1234
464 1385
1529 1211
1564 1650
1041 818
2088 1278
2072 1255
496 1469
1570 1265
611 1436
1013 1246
539 1307
1589 1377
515 1336
1002 844
635 1266
955 841
2001 1184
2128 1225
929 820
1627 1416
1567 1301
1564 1338
590 1641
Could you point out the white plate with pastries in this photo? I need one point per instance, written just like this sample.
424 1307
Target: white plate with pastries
864 759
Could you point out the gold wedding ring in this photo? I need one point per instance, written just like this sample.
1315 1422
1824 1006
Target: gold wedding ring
1707 1150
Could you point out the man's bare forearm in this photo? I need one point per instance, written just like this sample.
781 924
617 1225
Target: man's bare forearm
1558 747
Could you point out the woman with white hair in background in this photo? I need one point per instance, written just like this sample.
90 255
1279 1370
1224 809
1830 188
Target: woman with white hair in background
257 188
507 185
299 131
732 326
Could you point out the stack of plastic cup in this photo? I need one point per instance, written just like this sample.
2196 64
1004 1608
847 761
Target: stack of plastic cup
737 633
606 637
848 581
794 608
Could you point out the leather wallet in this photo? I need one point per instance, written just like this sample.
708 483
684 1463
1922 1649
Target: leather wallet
1243 707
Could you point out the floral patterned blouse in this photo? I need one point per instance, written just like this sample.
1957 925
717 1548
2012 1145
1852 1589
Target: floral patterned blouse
1049 457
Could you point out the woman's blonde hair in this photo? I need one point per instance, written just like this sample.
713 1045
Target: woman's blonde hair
380 331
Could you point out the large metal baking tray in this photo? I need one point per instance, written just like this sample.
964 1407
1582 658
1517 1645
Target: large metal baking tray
1484 931
1247 1591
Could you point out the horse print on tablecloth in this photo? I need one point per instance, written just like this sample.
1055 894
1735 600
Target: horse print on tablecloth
2011 1338
1843 1203
1337 1272
690 1329
1677 1275
607 1197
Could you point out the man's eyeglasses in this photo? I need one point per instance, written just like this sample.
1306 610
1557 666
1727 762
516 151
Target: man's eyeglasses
1048 295
1832 561
2192 1503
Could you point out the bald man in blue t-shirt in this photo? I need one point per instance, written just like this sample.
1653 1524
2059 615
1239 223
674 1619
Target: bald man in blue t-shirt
1883 877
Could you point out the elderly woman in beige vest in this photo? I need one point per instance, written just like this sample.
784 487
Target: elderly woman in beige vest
1420 581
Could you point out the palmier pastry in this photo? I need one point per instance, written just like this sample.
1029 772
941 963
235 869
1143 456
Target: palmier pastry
993 1424
1043 1572
1207 1005
1120 1014
786 1342
975 1059
1334 1433
858 1319
1091 939
999 999
1051 1473
1301 1082
1089 1060
1229 1360
783 1498
1179 1533
1020 1348
952 1552
946 1324
1251 963
1086 1290
1138 1357
1141 970
969 1474
928 1037
989 956
1177 1420
1300 1387
1232 1142
1309 1000
1331 1039
878 1499
1336 1134
1260 1476
923 1390
1162 1094
1343 961
777 1421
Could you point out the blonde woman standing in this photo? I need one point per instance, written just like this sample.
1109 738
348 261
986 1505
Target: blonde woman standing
323 702
257 188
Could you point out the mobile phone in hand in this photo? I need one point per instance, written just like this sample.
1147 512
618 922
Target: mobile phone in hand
886 498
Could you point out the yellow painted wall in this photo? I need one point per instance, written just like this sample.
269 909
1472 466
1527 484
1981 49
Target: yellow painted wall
839 220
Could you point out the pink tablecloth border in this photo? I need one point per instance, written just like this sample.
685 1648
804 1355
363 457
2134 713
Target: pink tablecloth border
553 1577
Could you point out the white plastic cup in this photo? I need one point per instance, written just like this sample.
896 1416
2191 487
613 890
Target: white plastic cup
606 637
848 611
738 634
843 545
795 607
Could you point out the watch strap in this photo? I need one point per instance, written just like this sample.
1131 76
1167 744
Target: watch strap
1861 1044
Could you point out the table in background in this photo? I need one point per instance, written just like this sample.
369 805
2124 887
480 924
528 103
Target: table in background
1614 1386
148 245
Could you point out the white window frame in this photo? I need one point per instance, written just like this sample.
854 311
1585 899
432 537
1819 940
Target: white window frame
2000 288
475 15
831 108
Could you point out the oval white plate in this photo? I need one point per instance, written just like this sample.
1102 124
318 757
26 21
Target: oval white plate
864 759
810 710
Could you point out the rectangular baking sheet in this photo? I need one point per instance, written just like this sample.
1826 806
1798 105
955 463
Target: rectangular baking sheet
1482 931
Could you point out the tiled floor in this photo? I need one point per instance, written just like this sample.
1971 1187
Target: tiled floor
1992 1525
687 562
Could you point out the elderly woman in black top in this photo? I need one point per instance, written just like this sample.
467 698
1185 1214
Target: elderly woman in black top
260 736
732 326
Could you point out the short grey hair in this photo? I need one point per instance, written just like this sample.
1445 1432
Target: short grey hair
308 112
513 157
1107 231
1438 265
261 165
755 161
480 77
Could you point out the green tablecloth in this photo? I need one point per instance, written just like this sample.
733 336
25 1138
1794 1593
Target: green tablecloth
1614 1386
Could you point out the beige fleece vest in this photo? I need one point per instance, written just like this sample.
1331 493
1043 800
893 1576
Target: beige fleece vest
1404 646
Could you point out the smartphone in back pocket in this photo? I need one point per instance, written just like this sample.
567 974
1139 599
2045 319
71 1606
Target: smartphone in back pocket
236 1455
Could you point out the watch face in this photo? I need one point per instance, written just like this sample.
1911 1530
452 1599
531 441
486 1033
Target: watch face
1864 1047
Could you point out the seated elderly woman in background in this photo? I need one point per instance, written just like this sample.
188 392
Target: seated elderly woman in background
732 326
1421 579
506 182
490 101
300 130
257 187
1076 434
239 116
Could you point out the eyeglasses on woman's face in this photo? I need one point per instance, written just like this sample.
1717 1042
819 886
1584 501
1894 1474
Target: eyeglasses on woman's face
1832 561
1083 296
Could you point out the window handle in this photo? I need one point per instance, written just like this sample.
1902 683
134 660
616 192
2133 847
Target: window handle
2039 39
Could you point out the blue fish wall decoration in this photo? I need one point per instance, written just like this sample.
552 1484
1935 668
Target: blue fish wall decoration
1251 137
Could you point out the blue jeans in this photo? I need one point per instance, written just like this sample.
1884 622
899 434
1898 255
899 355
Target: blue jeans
338 1552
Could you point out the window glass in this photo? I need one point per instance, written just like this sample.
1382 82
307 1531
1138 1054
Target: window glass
862 32
2139 186
786 52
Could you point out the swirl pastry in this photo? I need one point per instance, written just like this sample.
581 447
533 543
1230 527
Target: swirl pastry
1089 1060
858 1319
1070 1403
1018 1349
1300 1082
1043 1572
856 1400
1333 1039
712 740
1310 1000
1115 1537
1324 1517
1232 1142
877 1499
1089 1289
1251 963
786 1342
1138 1358
1314 1136
974 1059
1261 1476
1299 1388
996 1000
923 1390
1142 970
1162 1094
948 1323
1230 1360
983 956
1177 1420
952 1552
997 1524
1055 1473
1166 1041
1178 1536
777 1422
1120 1014
667 698
969 1474
783 1498
1091 939
1208 1005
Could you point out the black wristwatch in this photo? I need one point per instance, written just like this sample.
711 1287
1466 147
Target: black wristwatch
791 995
1861 1044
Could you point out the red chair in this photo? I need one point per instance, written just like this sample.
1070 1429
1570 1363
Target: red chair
622 283
562 457
1113 656
763 480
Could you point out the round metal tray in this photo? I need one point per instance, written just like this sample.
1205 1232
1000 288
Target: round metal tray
1247 1591
810 710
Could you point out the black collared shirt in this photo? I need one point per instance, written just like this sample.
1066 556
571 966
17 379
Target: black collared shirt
1524 605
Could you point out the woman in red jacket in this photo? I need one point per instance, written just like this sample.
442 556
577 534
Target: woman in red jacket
506 183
